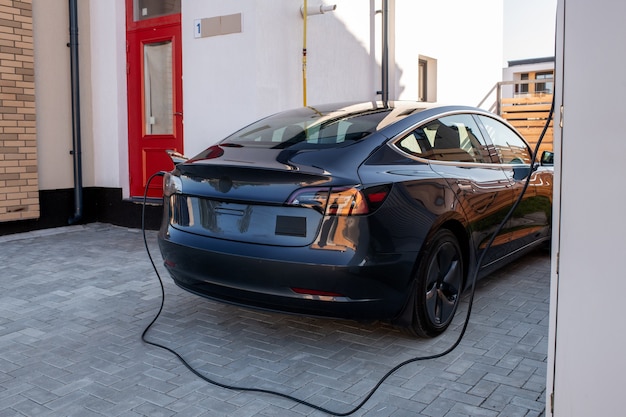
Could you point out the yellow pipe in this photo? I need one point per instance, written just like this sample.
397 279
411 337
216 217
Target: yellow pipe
304 15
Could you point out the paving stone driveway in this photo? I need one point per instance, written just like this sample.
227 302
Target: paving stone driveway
74 301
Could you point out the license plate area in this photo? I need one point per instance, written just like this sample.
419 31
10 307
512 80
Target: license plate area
254 223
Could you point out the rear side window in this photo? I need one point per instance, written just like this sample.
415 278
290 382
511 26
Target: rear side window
453 138
510 147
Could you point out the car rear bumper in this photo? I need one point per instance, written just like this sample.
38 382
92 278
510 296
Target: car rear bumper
300 280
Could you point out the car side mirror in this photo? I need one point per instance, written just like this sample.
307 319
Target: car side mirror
547 158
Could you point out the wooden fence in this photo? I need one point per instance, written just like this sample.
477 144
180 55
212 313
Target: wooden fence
529 115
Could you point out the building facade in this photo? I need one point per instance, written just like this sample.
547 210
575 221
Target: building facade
533 77
19 196
183 74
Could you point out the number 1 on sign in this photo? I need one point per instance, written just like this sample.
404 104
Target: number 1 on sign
197 28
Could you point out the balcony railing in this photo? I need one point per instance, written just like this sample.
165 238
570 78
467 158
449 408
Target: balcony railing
527 112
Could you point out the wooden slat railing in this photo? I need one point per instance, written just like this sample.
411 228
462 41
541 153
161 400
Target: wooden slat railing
528 114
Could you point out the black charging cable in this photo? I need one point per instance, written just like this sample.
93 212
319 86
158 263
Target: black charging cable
479 263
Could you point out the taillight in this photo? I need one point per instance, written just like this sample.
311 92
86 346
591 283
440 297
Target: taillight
172 185
341 201
376 195
346 202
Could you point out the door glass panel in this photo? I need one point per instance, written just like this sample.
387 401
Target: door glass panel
147 9
511 148
453 138
157 80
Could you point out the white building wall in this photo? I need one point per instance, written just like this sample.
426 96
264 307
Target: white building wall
465 37
53 90
515 72
219 74
586 363
102 73
233 79
109 128
342 48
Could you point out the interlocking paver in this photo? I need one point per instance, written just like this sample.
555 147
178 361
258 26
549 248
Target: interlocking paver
74 301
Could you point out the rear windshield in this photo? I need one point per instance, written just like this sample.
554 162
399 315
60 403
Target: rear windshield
308 128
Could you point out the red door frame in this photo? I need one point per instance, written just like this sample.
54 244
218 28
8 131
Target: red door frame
146 153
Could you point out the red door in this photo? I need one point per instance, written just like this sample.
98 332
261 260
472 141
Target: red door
155 113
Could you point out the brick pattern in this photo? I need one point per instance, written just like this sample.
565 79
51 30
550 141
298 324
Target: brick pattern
74 301
19 191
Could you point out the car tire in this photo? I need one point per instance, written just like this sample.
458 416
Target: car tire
438 284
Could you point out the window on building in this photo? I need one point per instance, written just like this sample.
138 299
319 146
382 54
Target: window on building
147 9
522 88
423 80
544 83
427 79
547 86
158 99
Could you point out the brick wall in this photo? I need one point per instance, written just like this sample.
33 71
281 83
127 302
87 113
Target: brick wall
19 192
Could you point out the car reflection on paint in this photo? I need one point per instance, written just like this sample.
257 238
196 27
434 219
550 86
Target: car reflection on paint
359 211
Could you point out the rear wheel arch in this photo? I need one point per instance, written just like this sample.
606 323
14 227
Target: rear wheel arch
460 232
416 318
462 237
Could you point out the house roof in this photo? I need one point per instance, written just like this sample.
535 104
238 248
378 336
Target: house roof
531 61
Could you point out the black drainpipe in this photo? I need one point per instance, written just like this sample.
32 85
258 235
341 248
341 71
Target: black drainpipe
76 151
385 57
384 65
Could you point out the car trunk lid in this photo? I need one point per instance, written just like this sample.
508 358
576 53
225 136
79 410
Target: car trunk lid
242 194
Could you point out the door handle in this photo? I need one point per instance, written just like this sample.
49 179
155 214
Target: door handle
178 113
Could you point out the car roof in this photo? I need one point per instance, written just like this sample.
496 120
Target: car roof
336 125
397 109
